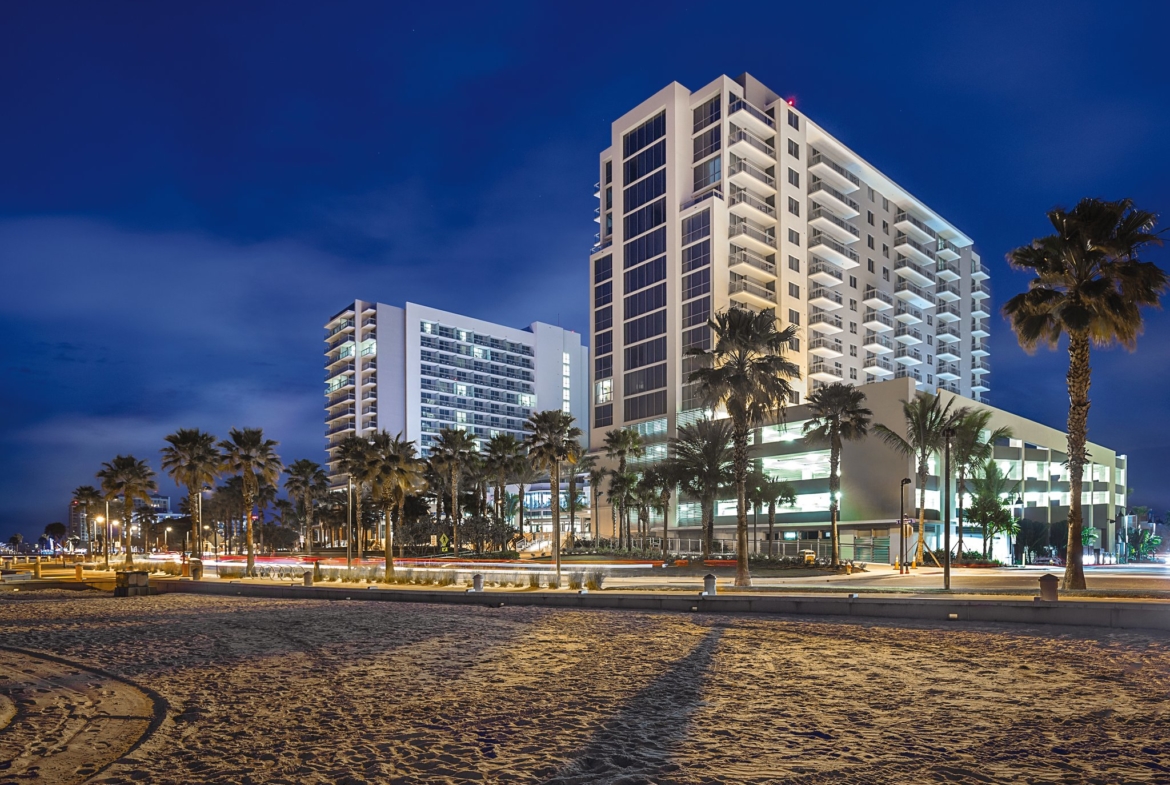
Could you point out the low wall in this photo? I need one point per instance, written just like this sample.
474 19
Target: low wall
1118 615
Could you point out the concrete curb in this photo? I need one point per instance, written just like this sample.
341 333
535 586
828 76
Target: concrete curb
1120 615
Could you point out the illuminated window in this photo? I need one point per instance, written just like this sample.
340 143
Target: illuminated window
603 391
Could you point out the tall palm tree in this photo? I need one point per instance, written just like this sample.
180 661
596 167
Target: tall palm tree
838 416
927 420
776 492
397 473
451 453
970 450
575 469
191 460
621 495
661 479
253 458
748 375
623 444
133 480
503 454
551 443
353 455
596 474
86 496
989 503
1090 285
702 457
524 475
307 482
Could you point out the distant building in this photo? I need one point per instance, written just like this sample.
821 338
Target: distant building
416 370
83 530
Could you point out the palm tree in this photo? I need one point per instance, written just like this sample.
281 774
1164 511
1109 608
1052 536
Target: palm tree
86 495
989 503
353 455
837 416
776 492
503 454
623 444
927 420
748 375
191 460
662 479
550 444
574 471
248 454
451 453
596 475
702 457
621 494
524 475
970 450
1090 285
397 473
307 482
133 480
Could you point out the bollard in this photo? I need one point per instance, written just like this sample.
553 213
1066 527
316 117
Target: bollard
37 568
77 572
477 582
709 585
308 577
1048 584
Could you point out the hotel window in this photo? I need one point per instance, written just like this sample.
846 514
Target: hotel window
793 317
647 132
869 240
886 227
885 273
853 327
603 269
793 206
708 172
869 192
793 119
794 237
794 291
794 344
885 250
852 351
793 149
705 114
696 227
852 305
793 264
707 143
869 216
608 172
793 177
852 373
853 281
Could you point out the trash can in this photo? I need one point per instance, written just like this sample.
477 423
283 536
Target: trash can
709 585
196 569
1048 588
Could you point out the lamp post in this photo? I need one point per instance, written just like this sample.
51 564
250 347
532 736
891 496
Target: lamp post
349 525
949 433
902 525
1011 550
166 538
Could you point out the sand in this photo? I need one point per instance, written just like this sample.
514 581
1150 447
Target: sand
252 690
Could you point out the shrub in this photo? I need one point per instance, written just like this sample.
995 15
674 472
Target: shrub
534 581
554 582
594 579
576 580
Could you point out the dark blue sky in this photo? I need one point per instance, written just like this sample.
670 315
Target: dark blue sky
188 191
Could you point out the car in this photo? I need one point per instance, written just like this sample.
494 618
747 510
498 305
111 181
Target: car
1048 561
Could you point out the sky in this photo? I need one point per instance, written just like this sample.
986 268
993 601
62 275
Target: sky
189 191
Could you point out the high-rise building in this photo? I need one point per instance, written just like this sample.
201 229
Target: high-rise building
729 196
415 370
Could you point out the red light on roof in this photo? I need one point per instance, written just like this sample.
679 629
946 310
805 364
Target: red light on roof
792 102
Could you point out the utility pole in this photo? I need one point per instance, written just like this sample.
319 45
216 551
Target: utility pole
949 433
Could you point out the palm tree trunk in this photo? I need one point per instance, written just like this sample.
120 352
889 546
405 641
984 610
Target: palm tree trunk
1079 378
520 509
127 512
740 464
834 492
389 541
308 502
921 514
707 512
665 522
772 529
193 514
248 498
555 486
961 488
455 510
401 519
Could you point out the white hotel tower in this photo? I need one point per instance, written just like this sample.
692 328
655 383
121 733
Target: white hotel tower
727 196
415 370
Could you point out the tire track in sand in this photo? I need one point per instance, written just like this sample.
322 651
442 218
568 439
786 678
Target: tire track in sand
70 722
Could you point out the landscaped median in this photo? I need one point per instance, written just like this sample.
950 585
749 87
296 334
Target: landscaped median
1082 613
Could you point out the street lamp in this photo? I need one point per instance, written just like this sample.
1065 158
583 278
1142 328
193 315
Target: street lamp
949 433
166 539
1019 502
100 520
902 524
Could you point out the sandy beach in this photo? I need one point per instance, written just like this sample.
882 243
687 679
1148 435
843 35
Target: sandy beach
251 691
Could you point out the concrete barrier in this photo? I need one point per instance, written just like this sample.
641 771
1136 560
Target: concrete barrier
1117 615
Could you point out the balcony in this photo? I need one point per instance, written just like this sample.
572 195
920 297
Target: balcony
980 367
823 372
908 224
979 349
742 260
339 340
336 415
980 291
369 379
340 398
753 237
947 333
946 251
979 309
825 221
831 250
914 273
947 352
370 308
832 172
949 312
978 385
747 116
908 292
832 200
878 343
907 315
908 336
828 348
338 370
826 323
745 204
346 325
878 366
947 373
978 271
745 144
824 273
907 356
370 395
878 322
878 300
825 299
979 328
907 246
947 270
948 292
744 173
909 373
748 291
340 428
